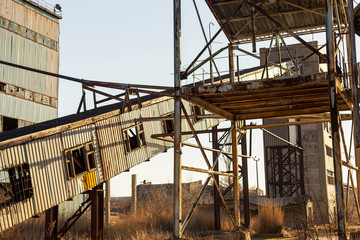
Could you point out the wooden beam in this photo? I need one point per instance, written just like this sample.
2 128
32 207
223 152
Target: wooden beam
209 107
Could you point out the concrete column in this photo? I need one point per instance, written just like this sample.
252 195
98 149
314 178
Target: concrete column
133 194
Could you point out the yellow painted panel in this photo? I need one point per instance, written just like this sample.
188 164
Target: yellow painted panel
89 180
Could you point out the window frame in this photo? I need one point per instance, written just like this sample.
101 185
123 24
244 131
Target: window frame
165 123
19 184
87 149
140 137
196 110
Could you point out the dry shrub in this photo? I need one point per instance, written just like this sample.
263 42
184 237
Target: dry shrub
270 219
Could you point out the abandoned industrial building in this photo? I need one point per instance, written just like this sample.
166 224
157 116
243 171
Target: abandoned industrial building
302 92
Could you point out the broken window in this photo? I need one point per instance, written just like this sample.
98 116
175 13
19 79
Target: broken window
196 110
168 125
15 185
330 177
134 137
329 151
9 123
80 160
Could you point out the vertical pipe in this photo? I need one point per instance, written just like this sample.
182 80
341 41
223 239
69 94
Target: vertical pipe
94 214
354 85
177 120
334 113
301 159
238 68
133 194
279 50
244 172
236 193
51 223
100 195
107 202
215 145
253 38
231 64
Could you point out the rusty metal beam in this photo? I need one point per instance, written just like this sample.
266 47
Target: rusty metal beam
280 25
185 74
177 122
354 85
334 112
236 191
88 82
212 172
215 145
51 223
195 146
209 107
276 14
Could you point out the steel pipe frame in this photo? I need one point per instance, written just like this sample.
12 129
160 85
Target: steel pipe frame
280 25
185 73
177 121
216 186
334 112
354 85
209 48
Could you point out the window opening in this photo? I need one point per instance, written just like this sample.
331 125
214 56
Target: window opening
168 125
15 185
9 123
331 177
329 151
80 160
196 110
134 137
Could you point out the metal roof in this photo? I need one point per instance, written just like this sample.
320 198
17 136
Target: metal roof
303 17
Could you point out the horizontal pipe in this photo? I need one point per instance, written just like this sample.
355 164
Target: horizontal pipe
195 146
89 82
193 169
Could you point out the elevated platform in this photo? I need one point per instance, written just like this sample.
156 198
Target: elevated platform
296 95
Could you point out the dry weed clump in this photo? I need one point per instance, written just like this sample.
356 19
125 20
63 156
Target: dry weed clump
270 219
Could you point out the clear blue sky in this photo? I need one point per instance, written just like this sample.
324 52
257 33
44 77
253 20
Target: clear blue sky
132 42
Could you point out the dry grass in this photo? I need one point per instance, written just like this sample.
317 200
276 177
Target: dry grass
153 220
270 219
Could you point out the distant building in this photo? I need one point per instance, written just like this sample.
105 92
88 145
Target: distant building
29 36
291 171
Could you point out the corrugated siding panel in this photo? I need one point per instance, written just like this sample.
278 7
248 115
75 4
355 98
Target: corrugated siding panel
32 55
282 132
139 155
153 146
111 146
77 137
26 110
38 168
30 18
99 165
53 152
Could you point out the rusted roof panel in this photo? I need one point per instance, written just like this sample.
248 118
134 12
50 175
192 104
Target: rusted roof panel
303 16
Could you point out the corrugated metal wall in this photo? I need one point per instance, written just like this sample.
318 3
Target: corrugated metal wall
47 163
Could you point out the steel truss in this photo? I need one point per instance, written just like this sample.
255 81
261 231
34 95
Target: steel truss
339 23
